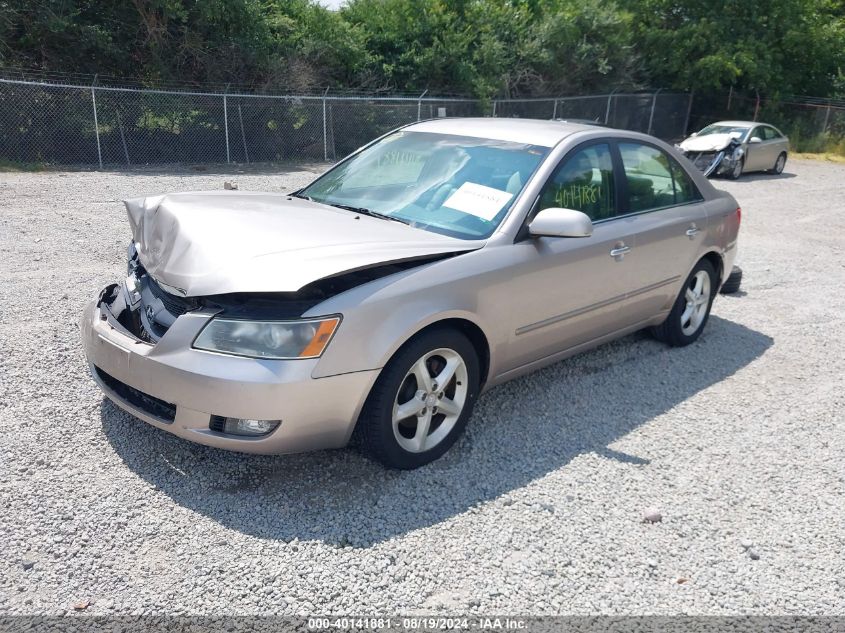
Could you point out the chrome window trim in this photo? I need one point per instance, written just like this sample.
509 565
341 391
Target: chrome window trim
644 212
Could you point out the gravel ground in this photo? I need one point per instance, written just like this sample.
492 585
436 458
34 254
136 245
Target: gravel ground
737 441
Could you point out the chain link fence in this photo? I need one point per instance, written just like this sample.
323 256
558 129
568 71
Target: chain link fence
63 123
661 114
67 124
72 125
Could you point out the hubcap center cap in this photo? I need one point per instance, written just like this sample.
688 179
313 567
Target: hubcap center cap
430 400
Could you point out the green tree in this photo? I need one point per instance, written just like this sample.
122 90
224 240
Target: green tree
576 47
416 44
773 46
484 48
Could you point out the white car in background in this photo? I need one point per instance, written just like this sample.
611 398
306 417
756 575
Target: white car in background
732 148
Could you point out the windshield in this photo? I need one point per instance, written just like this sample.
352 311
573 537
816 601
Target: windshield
719 128
455 185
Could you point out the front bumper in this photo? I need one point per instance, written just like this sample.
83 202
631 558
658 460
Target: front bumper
714 163
145 379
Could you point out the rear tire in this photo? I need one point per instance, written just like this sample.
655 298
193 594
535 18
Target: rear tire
691 310
780 163
733 282
408 419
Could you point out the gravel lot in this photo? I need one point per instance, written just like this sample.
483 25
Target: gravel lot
737 440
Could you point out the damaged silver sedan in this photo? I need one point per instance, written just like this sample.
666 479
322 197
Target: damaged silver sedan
732 148
377 303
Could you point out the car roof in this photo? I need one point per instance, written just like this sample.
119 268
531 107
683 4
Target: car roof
738 123
530 131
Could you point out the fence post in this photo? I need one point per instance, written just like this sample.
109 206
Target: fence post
756 106
226 122
325 129
607 111
96 124
826 118
494 107
651 115
243 134
689 111
419 104
554 111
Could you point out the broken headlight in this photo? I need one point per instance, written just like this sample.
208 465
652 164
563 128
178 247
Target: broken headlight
276 340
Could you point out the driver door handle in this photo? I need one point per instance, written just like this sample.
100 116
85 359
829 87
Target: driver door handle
619 251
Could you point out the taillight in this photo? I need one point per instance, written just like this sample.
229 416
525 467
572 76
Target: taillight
738 216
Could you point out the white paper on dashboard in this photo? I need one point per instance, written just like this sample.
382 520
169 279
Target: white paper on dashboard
478 200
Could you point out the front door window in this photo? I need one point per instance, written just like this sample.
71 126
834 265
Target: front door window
583 182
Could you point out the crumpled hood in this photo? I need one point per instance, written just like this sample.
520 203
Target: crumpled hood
706 143
207 243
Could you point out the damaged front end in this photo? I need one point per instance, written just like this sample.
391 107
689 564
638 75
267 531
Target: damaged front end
145 308
715 162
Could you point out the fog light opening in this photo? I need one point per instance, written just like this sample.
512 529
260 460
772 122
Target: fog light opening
242 426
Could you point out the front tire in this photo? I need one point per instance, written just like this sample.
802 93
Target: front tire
421 401
691 310
736 172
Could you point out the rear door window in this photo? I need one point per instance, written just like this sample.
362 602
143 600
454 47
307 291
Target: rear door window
654 179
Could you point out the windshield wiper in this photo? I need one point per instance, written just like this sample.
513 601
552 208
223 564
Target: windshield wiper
369 212
347 207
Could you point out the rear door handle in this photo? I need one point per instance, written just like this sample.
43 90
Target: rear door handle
619 251
692 231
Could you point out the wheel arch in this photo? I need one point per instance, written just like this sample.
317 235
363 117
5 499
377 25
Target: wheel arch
478 339
470 329
467 327
717 262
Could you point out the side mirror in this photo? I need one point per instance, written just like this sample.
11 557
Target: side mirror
755 139
556 222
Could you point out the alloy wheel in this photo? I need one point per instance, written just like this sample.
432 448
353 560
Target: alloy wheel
430 400
698 300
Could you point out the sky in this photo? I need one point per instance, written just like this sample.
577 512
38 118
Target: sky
331 4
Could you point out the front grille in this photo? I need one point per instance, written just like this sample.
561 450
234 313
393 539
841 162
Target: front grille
703 160
177 306
157 408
